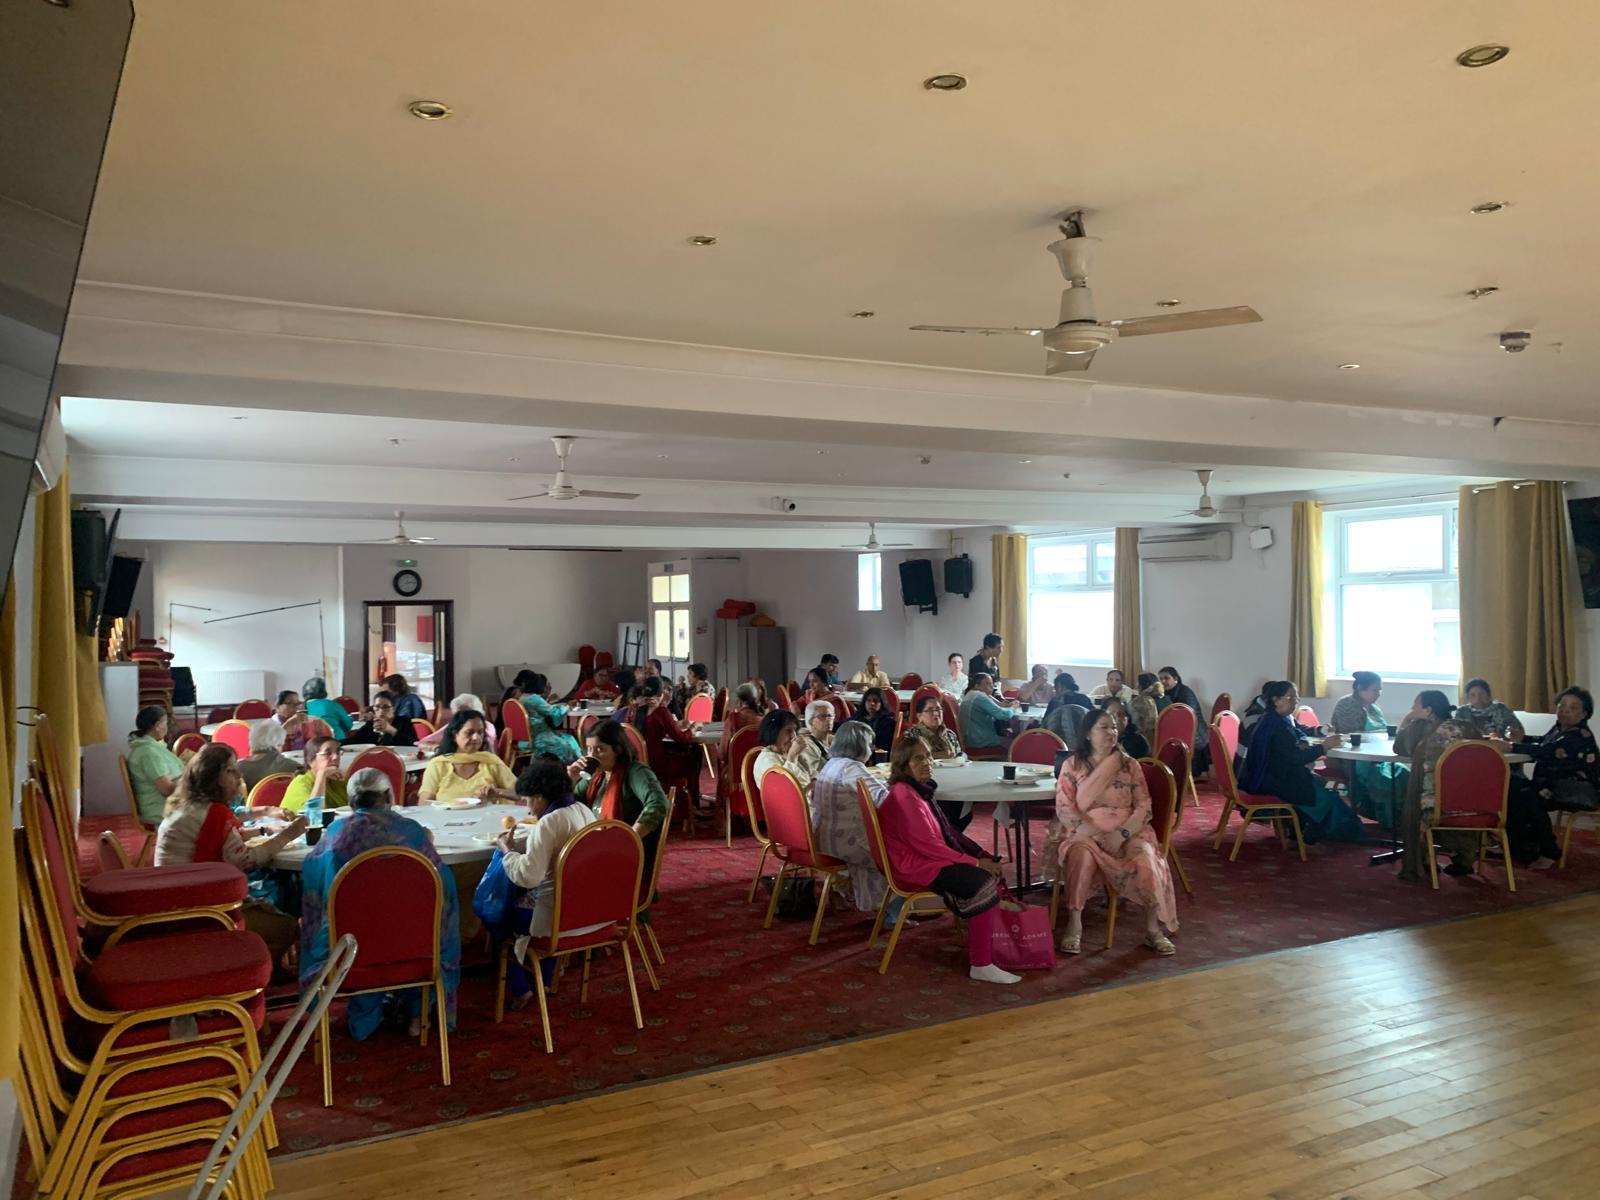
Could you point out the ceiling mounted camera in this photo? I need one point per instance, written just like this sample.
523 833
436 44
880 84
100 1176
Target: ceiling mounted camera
783 504
1515 341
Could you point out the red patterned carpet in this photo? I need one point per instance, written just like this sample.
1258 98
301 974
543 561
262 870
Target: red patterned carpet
733 992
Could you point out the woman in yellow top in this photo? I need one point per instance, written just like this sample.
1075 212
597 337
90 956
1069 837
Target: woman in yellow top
466 769
322 777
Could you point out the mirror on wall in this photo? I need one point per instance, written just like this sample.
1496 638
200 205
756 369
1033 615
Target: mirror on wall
61 61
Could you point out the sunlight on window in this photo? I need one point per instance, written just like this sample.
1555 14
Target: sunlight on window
1395 597
1069 599
869 583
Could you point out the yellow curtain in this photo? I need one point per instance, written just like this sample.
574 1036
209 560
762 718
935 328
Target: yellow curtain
1127 612
1010 552
1306 667
10 940
1517 579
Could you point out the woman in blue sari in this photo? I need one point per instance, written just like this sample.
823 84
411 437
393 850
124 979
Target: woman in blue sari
1279 764
373 823
1375 788
546 720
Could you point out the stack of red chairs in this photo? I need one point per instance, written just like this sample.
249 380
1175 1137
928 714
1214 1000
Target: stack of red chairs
155 675
732 610
141 1002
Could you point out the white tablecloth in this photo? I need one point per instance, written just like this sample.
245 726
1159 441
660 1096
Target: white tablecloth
461 835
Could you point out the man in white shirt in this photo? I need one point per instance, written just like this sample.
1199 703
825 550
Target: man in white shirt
871 676
954 682
1113 686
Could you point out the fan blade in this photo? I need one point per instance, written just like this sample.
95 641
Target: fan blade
419 541
1056 362
985 330
609 495
894 545
535 496
1205 318
384 541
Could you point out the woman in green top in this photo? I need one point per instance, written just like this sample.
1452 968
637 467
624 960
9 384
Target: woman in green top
1375 788
1492 718
315 694
620 788
321 777
153 768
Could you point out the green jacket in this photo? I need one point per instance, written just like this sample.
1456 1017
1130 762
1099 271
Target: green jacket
644 802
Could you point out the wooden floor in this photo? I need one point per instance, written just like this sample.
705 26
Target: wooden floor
1461 1060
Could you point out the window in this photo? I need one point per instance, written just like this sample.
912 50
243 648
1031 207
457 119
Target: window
1393 592
669 615
1069 599
869 582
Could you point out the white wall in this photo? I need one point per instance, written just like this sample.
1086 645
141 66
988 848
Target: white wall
232 578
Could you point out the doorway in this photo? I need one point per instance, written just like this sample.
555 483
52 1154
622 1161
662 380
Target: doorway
414 639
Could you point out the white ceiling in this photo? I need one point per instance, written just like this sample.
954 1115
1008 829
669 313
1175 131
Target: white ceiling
1226 153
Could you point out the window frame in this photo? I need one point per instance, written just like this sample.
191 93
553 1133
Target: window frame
1336 577
1090 540
874 602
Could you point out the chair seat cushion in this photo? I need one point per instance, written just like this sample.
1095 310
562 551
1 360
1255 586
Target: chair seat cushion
219 1027
161 1162
1256 800
155 1121
391 974
175 970
139 891
1469 820
574 941
801 857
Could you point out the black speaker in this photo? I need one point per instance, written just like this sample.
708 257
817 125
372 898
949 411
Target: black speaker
183 695
916 585
119 588
91 549
958 575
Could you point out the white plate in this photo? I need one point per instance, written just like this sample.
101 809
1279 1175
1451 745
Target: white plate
951 762
449 805
1020 780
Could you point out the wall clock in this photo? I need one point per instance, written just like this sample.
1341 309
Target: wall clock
407 582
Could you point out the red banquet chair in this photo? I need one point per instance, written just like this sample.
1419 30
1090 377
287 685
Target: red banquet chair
758 822
636 742
1471 784
189 743
1227 724
1250 806
909 682
788 816
514 721
842 711
349 703
1181 723
735 794
1173 755
699 709
386 760
597 877
1306 717
390 898
1037 746
719 707
234 734
880 858
252 710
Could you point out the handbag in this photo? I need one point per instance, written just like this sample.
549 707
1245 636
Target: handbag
1022 941
495 895
1574 795
797 900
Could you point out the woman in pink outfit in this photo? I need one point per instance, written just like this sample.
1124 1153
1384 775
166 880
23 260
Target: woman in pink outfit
926 851
1103 810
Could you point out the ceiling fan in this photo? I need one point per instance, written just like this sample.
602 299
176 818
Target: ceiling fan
562 488
872 542
400 537
1071 343
1205 508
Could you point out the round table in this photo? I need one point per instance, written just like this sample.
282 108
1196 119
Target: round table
460 835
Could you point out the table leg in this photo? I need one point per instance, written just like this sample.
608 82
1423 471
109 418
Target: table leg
1395 850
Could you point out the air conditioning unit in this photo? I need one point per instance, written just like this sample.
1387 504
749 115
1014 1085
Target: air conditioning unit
1209 545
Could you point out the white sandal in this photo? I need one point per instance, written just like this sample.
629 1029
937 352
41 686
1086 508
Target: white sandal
1160 943
1070 943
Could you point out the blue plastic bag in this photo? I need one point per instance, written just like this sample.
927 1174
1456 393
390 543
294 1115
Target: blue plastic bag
495 896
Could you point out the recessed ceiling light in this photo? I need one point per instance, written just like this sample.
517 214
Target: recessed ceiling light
430 110
1482 56
1478 293
1168 303
241 418
863 313
1349 366
945 83
702 239
821 451
1489 206
924 459
513 458
661 456
1024 461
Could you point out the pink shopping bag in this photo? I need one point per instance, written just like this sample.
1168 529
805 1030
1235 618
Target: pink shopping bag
1022 941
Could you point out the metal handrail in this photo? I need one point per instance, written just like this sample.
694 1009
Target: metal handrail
320 995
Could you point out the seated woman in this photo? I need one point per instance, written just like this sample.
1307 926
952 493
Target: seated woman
620 788
529 858
1179 692
1493 719
1103 815
1566 778
385 727
1146 706
1067 692
1039 689
200 827
927 854
320 778
673 748
266 755
929 728
373 823
815 687
152 766
1425 739
546 719
315 692
696 682
466 769
954 681
816 736
878 716
836 812
466 702
766 702
987 726
598 687
1279 764
1129 737
1373 786
743 712
407 703
780 737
